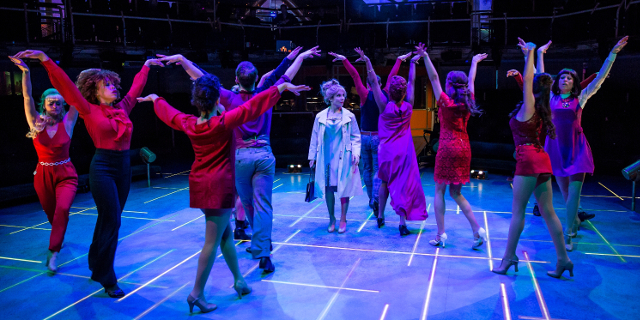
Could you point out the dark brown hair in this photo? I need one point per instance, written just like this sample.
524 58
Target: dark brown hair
575 91
542 92
205 93
88 83
457 88
247 74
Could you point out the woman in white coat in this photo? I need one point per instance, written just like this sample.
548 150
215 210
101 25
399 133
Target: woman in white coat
335 149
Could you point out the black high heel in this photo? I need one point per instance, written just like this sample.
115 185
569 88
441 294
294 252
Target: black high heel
510 262
204 307
403 230
380 222
560 270
114 291
266 265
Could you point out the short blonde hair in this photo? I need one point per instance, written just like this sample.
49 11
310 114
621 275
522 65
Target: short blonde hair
329 89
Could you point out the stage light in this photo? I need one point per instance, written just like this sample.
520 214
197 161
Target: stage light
479 174
631 173
294 168
147 157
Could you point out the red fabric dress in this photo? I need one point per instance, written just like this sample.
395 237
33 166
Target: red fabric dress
212 177
453 160
55 182
531 159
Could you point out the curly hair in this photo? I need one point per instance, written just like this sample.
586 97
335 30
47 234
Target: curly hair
329 89
457 88
247 74
205 93
43 98
575 91
397 88
89 79
541 91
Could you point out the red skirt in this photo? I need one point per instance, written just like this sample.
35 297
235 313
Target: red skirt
532 160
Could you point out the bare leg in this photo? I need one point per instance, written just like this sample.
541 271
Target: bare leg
544 196
439 207
383 194
456 195
523 186
217 222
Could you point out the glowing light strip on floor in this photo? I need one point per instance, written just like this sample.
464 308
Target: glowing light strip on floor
320 286
20 227
457 209
619 197
600 196
124 217
365 221
605 240
147 227
278 186
160 302
415 245
541 302
157 277
536 318
166 188
168 194
335 295
505 302
101 289
276 180
182 225
425 309
22 260
486 229
384 312
584 243
272 252
37 225
177 174
611 255
305 215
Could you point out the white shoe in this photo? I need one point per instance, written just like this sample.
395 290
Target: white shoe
443 238
481 239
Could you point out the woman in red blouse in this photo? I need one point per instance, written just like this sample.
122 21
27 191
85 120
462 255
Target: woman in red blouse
110 129
212 181
55 178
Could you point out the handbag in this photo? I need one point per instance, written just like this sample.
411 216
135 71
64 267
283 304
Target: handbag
310 196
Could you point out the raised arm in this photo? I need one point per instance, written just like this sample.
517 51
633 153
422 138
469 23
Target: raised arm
411 84
295 66
29 105
593 87
395 69
541 51
474 70
139 81
380 99
192 70
432 73
360 88
264 78
517 76
59 80
528 108
588 80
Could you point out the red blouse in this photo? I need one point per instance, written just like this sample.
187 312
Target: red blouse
109 126
212 177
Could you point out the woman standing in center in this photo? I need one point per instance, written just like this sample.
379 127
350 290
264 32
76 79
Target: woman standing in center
335 149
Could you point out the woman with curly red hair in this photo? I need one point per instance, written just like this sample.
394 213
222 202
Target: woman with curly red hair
55 178
110 129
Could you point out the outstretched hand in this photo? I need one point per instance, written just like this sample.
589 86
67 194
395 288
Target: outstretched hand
421 50
621 44
313 52
338 57
363 57
416 59
512 73
405 56
154 62
31 54
176 58
479 57
523 46
544 48
20 64
294 53
152 97
297 89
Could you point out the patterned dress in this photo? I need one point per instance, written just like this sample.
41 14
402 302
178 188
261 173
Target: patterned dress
453 160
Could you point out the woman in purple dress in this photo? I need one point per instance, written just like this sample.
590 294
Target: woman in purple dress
398 165
570 153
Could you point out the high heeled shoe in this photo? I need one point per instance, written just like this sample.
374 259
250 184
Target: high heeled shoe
51 262
560 270
435 242
509 262
242 289
403 230
204 306
266 265
332 227
380 222
482 238
114 291
568 243
342 228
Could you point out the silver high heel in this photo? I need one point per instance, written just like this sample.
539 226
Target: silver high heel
204 307
482 238
241 290
509 263
443 238
568 243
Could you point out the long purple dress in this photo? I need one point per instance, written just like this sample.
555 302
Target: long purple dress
398 162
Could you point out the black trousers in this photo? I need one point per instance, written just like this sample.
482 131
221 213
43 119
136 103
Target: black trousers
110 180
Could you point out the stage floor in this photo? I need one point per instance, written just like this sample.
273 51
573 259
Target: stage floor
366 273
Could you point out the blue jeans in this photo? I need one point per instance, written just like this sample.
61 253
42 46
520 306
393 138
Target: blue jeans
255 170
369 160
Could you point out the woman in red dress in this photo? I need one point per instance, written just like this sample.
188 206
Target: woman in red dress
110 128
55 178
533 166
453 160
211 181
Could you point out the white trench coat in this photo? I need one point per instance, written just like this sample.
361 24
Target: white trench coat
349 183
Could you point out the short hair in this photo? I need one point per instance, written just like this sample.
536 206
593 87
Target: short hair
576 90
43 98
247 74
397 88
89 79
205 93
329 89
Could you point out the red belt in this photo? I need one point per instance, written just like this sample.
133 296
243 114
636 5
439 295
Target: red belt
369 133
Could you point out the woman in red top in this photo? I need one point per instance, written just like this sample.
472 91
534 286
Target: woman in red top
110 129
533 166
453 160
211 181
55 178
